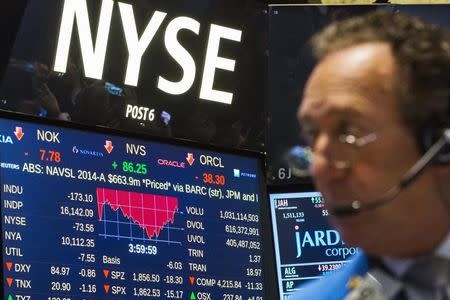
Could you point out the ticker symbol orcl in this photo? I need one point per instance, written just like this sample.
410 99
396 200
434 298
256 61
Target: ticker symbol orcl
18 133
109 147
190 158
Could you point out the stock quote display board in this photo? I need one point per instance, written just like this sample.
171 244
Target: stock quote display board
306 246
87 215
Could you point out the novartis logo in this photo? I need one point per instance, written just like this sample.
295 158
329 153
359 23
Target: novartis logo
86 152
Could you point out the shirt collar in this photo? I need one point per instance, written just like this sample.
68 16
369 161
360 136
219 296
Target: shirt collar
444 248
399 266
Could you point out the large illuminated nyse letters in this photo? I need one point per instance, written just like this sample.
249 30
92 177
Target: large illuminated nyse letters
136 47
75 11
93 59
213 61
180 55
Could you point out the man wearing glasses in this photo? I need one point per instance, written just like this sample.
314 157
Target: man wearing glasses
376 113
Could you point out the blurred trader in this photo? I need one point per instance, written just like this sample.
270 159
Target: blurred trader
377 101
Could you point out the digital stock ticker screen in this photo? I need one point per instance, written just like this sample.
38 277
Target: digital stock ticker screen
306 246
91 215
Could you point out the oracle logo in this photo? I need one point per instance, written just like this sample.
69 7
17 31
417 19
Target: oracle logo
171 163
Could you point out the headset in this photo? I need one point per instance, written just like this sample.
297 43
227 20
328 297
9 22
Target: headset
426 139
437 154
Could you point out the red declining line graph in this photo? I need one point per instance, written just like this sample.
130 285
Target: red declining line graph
150 212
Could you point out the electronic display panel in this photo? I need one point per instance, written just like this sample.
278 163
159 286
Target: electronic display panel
306 245
180 69
96 215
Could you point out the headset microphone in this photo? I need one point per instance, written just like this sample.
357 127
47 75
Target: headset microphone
357 206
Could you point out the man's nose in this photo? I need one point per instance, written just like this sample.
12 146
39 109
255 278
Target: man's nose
328 163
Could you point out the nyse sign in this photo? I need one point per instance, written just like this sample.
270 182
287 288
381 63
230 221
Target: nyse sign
93 53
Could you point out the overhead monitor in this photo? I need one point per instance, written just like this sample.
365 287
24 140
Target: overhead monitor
92 214
185 69
306 245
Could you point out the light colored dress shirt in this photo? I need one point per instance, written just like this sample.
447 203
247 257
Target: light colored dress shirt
400 266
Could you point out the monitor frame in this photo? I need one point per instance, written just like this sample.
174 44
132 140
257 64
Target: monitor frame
267 252
306 187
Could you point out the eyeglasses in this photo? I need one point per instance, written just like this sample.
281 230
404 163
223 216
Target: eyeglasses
345 151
